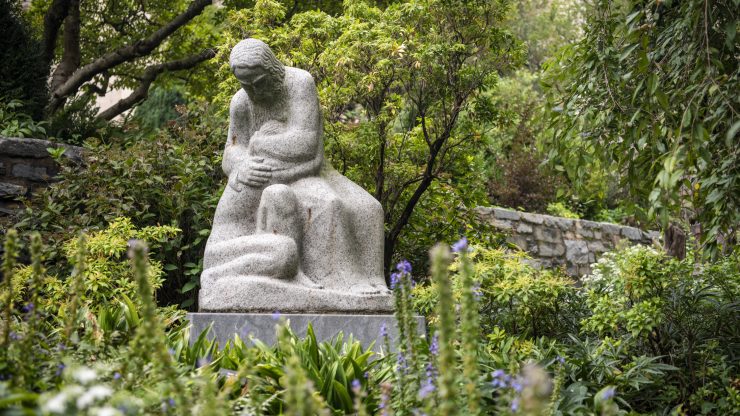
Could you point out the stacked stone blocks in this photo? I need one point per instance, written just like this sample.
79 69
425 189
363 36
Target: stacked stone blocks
562 242
25 166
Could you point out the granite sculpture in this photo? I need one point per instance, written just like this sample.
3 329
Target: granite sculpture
290 233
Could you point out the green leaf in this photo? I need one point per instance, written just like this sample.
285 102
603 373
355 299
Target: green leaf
731 133
187 287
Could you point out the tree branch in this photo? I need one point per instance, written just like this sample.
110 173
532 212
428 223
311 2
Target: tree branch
71 55
124 54
52 22
150 74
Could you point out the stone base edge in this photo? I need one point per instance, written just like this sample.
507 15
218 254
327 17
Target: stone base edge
257 294
364 328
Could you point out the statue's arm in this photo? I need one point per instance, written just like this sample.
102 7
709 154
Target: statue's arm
299 151
235 151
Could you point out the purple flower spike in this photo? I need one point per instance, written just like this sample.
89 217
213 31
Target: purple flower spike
383 330
461 245
609 393
515 405
561 359
434 346
28 307
395 280
404 267
426 390
517 385
356 385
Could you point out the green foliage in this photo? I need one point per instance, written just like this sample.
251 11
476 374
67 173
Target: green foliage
169 177
159 108
15 122
23 72
559 209
515 297
130 357
647 95
662 332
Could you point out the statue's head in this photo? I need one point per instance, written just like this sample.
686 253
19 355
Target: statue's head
256 68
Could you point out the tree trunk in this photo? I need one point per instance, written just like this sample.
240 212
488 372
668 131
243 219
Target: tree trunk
674 241
52 22
71 55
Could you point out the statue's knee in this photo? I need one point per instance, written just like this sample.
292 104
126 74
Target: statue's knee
279 197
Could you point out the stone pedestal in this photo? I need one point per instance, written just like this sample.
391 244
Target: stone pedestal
364 328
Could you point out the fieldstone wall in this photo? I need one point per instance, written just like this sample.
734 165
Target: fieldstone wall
555 241
26 165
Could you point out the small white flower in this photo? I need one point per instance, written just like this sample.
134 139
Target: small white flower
105 411
85 375
57 404
94 394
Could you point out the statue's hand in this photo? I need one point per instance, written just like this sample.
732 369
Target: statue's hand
256 173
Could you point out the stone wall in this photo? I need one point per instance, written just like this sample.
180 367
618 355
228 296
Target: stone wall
26 165
554 241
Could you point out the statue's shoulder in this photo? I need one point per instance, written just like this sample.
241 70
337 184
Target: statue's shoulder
299 77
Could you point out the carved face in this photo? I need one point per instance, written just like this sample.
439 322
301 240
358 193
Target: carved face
256 81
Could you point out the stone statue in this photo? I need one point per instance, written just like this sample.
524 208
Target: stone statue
290 233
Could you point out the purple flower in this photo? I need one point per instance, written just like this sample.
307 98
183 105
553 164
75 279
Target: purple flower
60 368
275 315
28 307
477 292
426 390
517 385
500 379
395 280
434 346
14 336
116 375
560 359
171 351
383 330
461 245
609 393
356 385
404 267
402 363
515 405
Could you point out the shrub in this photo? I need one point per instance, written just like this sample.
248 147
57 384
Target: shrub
661 332
172 177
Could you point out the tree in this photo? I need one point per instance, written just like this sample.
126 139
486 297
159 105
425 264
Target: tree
650 93
23 71
97 45
395 84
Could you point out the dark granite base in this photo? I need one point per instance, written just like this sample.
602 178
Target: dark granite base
365 328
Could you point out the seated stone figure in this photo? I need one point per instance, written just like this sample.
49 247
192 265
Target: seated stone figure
290 233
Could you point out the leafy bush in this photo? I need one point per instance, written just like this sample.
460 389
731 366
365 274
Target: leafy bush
14 122
658 342
172 177
661 332
560 210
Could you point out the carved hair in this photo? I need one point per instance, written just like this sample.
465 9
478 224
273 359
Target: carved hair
253 51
